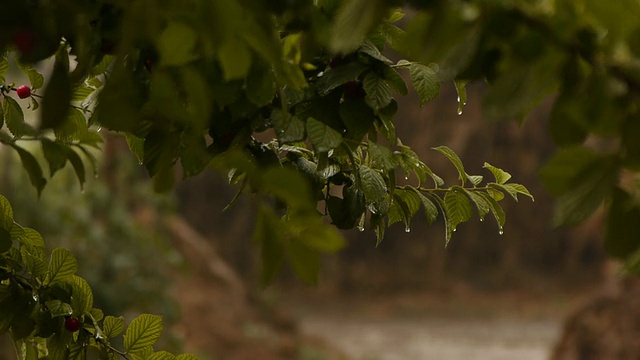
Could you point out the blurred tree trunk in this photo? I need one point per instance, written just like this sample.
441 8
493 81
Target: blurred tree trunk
608 328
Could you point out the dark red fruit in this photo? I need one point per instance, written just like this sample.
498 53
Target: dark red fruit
336 61
23 91
25 40
107 47
148 64
353 90
72 324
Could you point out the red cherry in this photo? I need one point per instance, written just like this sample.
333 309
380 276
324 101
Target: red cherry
353 90
23 91
336 61
24 40
72 324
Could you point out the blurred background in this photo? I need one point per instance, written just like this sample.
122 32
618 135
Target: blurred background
485 296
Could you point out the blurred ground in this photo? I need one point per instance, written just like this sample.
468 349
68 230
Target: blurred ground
507 325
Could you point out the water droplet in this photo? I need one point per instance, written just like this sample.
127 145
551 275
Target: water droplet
99 129
406 178
361 228
481 219
501 231
455 229
460 111
407 229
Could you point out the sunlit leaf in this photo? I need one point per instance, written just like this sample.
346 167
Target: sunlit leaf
425 81
142 332
62 265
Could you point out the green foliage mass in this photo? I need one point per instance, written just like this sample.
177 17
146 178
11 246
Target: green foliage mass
295 102
42 299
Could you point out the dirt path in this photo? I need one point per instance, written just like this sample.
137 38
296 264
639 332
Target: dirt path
430 338
415 330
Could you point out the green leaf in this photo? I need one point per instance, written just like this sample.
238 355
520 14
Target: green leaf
321 238
322 137
33 168
425 81
176 44
112 326
378 92
136 145
369 48
374 189
31 237
504 189
496 210
518 189
482 204
430 209
96 314
55 155
358 117
62 265
57 94
445 214
335 77
14 118
455 160
82 92
585 198
305 262
395 80
82 297
143 331
59 308
260 84
161 355
461 89
186 357
6 213
458 207
4 66
5 240
500 175
268 234
354 20
382 157
77 164
567 167
34 259
288 128
35 78
235 58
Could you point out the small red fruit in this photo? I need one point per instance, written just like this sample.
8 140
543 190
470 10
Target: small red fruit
23 91
72 324
25 40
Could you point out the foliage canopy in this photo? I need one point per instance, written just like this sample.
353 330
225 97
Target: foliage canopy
294 100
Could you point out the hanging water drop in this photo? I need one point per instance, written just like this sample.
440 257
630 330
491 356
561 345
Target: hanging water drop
481 219
460 111
407 229
455 229
501 231
361 229
406 177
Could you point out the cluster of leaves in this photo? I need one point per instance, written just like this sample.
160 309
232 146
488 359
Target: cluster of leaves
48 309
198 84
586 53
71 138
